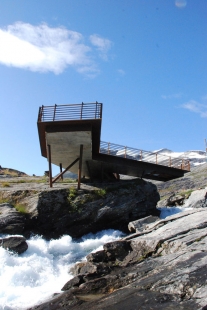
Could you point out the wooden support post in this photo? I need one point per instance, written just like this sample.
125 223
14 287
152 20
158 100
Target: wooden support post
50 164
80 165
61 170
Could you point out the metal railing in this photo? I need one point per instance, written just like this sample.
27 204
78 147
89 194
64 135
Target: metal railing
145 156
70 112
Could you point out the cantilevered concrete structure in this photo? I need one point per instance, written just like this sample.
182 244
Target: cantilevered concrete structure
70 138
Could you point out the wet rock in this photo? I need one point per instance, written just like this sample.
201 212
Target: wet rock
76 281
15 244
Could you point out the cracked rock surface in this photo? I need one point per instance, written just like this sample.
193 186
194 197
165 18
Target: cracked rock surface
162 267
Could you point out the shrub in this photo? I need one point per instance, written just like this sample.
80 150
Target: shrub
5 184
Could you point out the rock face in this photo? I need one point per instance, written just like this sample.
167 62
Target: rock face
52 213
196 179
194 199
163 267
15 244
11 221
197 199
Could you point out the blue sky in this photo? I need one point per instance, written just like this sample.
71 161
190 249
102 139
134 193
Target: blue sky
145 60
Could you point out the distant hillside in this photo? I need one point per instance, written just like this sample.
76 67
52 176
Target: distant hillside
195 179
11 172
195 157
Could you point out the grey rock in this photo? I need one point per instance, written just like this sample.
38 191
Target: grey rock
15 244
164 269
139 225
52 212
197 199
11 221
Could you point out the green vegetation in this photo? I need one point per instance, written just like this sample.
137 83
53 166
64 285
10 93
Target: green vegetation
5 184
73 193
4 200
187 193
20 208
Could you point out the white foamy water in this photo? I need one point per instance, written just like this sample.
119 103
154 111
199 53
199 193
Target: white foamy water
32 277
165 212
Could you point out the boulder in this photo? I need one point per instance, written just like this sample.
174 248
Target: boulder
171 201
139 225
15 244
197 199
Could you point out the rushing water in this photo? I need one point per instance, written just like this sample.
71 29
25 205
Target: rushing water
32 277
167 211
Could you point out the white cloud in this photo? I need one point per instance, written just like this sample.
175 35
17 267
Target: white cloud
103 45
197 107
121 72
42 48
172 96
180 3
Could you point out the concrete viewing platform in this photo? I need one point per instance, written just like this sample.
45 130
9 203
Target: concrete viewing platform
70 138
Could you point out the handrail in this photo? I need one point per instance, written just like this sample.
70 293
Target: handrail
145 156
66 112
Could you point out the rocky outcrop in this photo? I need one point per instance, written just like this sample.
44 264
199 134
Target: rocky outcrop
55 212
16 244
197 199
193 199
11 221
193 180
163 267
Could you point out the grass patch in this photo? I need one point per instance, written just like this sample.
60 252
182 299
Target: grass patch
4 200
21 208
73 193
187 193
69 181
5 184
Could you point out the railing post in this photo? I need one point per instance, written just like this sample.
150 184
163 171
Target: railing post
42 115
81 111
54 112
96 109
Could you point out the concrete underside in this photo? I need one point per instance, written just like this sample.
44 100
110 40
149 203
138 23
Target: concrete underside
65 148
